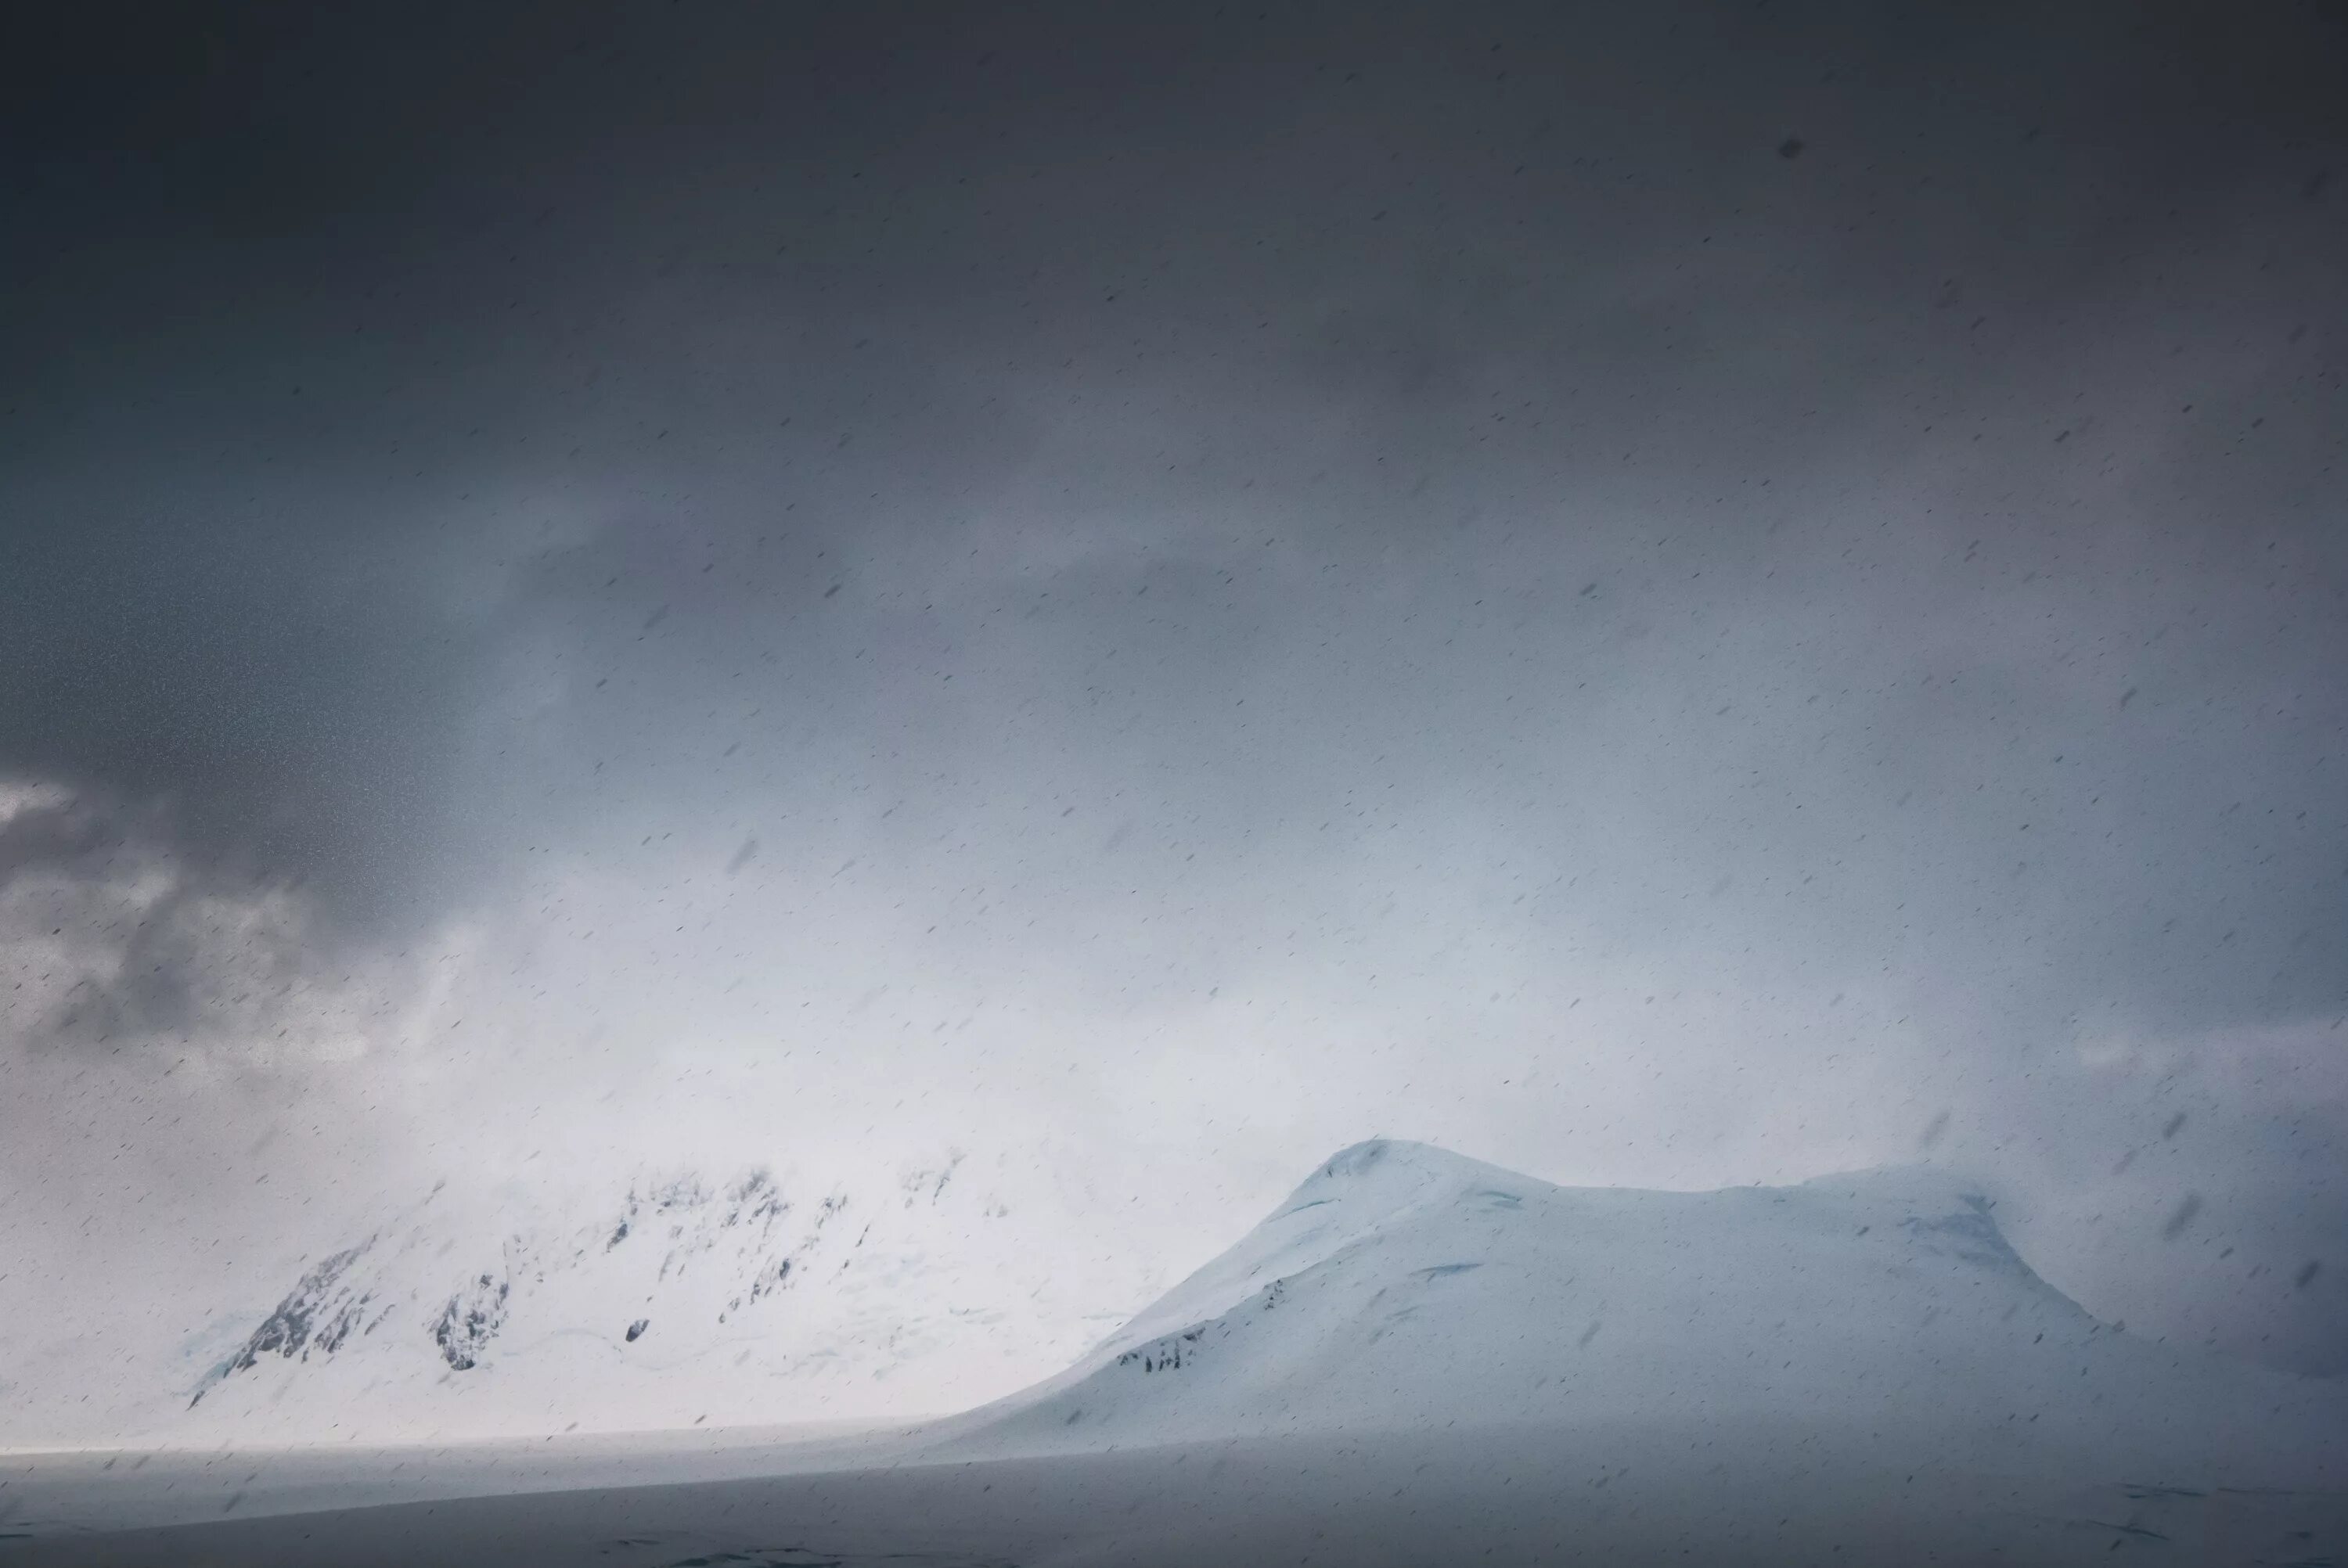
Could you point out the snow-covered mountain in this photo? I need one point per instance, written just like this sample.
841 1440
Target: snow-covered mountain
1400 1288
1418 1357
1403 1288
673 1299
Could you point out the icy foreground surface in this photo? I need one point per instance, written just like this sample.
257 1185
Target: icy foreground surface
1422 1359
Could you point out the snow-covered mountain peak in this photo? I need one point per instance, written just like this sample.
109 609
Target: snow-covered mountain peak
1357 1193
1402 1287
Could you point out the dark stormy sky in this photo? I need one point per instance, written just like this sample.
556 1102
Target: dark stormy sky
1674 593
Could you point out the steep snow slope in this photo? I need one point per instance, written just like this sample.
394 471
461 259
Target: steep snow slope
1403 1288
678 1299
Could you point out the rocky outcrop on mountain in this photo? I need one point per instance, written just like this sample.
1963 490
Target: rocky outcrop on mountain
471 1320
319 1314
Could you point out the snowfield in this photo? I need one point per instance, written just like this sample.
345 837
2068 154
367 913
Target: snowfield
1418 1357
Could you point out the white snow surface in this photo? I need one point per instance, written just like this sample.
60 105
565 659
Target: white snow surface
1403 1288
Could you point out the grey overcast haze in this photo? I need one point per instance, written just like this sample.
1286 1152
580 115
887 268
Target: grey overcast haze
1678 595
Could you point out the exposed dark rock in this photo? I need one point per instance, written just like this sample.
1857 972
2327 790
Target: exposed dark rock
471 1320
314 1314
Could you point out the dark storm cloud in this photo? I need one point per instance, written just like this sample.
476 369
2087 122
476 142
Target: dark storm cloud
308 300
286 698
116 938
1211 499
